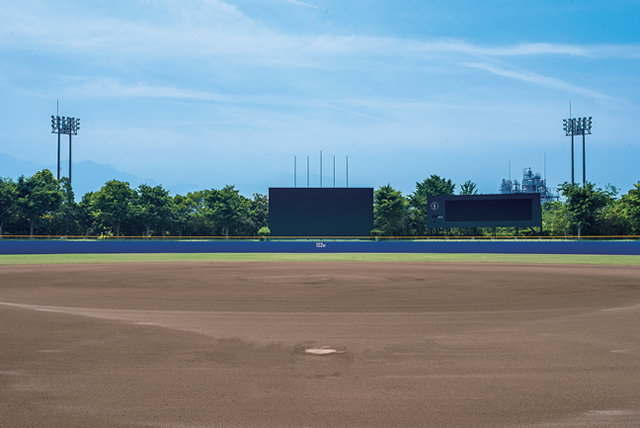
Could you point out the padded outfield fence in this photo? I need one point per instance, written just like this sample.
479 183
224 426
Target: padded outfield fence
488 245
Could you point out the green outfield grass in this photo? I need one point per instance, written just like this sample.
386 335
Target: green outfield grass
308 257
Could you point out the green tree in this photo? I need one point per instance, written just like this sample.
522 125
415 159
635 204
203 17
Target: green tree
264 232
435 186
8 198
113 204
631 208
585 202
153 208
469 188
180 214
229 209
199 214
259 214
86 217
38 195
555 218
419 200
612 220
390 211
65 218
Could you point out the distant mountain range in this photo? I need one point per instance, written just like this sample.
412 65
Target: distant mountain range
87 176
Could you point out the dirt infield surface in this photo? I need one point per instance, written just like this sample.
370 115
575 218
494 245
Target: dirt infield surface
396 344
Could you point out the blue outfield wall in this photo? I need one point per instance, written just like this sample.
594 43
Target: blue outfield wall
320 246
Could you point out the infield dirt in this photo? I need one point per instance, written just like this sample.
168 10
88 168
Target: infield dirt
225 345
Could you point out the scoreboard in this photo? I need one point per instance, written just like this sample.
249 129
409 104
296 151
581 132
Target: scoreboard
517 210
320 211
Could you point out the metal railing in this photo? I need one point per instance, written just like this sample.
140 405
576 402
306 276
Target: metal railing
438 238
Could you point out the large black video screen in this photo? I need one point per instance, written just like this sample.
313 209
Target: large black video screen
320 212
519 210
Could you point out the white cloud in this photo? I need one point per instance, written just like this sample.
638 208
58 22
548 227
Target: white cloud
355 113
209 29
301 3
597 51
205 10
541 80
112 89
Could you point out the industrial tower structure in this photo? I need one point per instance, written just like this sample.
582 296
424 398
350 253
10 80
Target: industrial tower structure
531 183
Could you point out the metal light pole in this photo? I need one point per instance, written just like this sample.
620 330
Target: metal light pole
578 126
57 121
320 168
68 126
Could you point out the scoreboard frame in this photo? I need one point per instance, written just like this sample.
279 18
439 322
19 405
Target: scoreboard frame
321 211
514 210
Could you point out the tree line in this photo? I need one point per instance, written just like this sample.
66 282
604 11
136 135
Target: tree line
42 205
586 211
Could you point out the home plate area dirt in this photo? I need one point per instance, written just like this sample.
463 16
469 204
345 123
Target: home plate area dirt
319 344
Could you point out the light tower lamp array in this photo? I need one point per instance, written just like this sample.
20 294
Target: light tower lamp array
68 126
578 126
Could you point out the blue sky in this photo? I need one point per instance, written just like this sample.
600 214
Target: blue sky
214 93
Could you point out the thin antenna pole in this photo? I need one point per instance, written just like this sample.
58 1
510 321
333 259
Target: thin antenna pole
307 170
320 168
334 170
294 170
509 169
347 170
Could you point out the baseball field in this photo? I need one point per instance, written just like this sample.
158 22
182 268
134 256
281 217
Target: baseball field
319 341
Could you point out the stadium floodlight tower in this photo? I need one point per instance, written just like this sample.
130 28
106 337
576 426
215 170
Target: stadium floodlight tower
68 126
578 126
